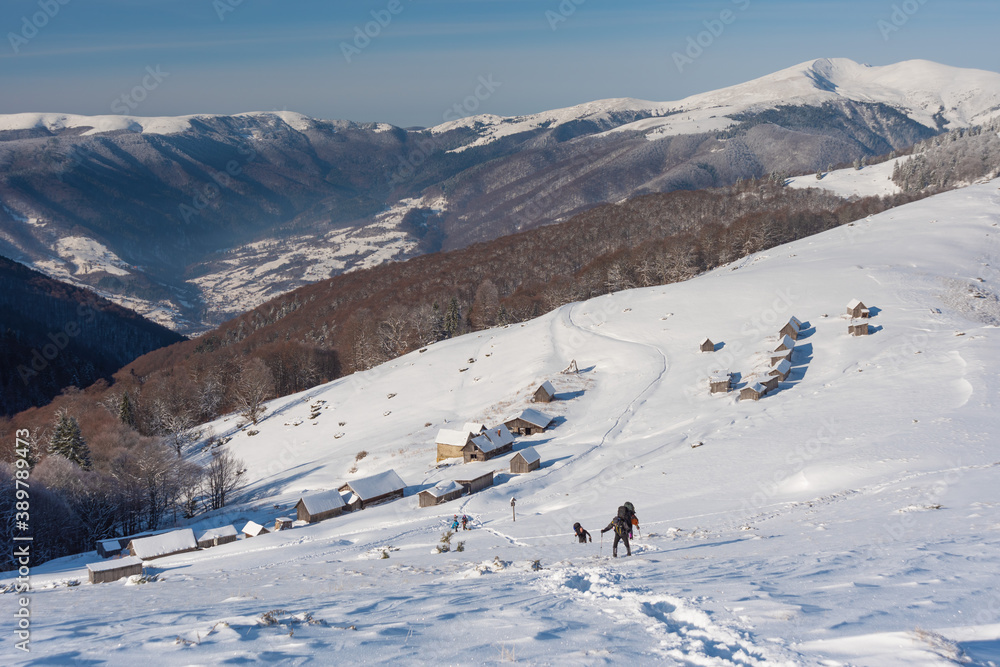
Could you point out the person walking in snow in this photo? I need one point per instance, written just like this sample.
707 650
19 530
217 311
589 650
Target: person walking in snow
581 533
465 522
627 514
454 523
621 535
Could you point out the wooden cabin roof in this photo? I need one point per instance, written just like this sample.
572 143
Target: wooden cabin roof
324 501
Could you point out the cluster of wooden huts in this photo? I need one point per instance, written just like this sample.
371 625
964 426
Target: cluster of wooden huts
474 442
146 547
779 367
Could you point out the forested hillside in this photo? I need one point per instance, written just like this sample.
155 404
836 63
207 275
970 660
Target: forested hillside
54 335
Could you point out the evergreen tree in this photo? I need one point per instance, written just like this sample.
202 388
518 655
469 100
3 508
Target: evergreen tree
453 318
67 441
126 414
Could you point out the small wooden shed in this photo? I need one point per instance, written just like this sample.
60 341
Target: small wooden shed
721 382
861 329
442 492
110 547
491 443
753 392
857 309
707 345
781 369
545 393
283 523
771 383
164 544
791 329
253 529
113 570
477 483
528 422
319 506
213 537
786 343
776 357
373 490
525 460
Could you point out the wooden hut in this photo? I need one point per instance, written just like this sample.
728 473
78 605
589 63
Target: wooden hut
213 537
786 343
545 393
164 544
753 392
451 442
707 345
113 570
440 493
861 329
525 460
528 422
721 382
283 523
492 443
857 309
477 483
373 490
796 321
253 529
771 383
791 329
781 369
776 357
110 547
319 506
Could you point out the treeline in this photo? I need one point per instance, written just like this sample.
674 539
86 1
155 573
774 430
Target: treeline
54 335
952 159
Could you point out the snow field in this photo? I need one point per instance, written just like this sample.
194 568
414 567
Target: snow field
851 517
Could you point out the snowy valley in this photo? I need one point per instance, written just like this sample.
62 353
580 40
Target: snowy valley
849 517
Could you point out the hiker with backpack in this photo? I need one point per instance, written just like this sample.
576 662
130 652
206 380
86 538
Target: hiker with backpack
627 514
454 524
621 534
581 533
465 522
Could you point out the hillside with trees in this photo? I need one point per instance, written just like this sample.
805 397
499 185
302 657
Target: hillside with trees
53 335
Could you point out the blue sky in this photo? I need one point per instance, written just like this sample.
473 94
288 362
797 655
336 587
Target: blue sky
227 56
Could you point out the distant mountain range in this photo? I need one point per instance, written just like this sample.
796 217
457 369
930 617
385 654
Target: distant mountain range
192 220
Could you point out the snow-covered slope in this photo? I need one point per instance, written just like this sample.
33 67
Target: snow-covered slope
870 181
851 517
921 89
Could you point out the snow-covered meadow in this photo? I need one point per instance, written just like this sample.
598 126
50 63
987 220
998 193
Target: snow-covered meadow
851 517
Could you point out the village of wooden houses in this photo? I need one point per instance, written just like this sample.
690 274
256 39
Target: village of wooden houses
475 444
480 448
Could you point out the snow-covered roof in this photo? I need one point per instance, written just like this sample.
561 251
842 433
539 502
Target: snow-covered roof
222 531
794 323
494 438
758 387
783 366
114 564
324 501
720 376
167 543
253 528
706 340
474 427
547 386
444 488
377 485
529 455
452 438
855 303
786 341
111 545
534 417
